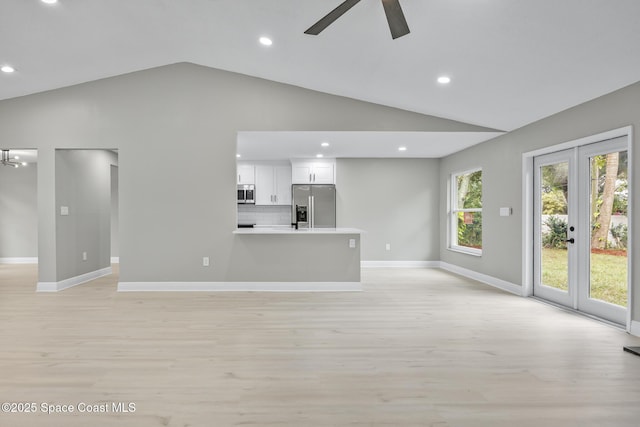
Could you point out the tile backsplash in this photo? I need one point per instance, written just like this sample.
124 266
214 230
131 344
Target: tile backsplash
264 215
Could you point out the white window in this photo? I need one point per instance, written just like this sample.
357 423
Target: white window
465 216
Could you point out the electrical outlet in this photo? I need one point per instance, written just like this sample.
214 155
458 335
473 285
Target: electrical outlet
388 246
205 261
84 256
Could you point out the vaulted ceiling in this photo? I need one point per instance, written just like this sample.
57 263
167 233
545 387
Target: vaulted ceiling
511 62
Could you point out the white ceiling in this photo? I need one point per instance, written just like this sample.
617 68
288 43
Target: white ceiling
279 145
512 62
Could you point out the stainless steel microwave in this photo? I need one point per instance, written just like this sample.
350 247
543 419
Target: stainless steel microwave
246 194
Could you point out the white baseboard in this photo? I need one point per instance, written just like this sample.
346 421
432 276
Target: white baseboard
19 260
400 264
239 286
115 260
489 280
73 281
635 328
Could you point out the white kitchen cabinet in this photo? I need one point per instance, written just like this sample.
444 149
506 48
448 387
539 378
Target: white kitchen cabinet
301 173
246 174
312 172
273 185
282 185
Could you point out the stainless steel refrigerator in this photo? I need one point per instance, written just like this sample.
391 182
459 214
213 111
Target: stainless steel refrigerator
314 206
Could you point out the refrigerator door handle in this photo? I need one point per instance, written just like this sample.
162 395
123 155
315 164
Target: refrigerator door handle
313 212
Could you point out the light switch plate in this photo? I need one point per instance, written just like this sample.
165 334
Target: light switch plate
64 210
352 243
505 211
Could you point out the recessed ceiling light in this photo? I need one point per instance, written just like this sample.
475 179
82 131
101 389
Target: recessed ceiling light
266 41
319 155
325 144
402 148
443 80
238 155
17 157
49 1
24 163
7 69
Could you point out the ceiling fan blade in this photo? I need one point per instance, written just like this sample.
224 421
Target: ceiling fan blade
395 18
336 13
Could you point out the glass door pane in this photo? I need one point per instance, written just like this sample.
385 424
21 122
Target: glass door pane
608 202
554 255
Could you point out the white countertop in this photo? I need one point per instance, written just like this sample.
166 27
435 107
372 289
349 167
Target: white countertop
291 230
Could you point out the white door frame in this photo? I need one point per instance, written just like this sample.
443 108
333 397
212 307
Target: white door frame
528 207
570 298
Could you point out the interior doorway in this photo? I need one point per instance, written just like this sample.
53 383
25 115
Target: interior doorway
581 202
18 206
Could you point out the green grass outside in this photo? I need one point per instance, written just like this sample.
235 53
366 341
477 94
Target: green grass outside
608 274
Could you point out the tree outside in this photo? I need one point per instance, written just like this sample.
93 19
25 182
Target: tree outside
470 197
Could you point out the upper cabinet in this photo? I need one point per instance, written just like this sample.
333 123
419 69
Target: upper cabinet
246 174
313 172
273 184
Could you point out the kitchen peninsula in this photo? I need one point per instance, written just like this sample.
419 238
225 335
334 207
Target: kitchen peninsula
313 256
314 259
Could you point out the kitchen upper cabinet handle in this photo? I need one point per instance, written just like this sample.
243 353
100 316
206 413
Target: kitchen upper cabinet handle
238 178
314 177
275 198
310 180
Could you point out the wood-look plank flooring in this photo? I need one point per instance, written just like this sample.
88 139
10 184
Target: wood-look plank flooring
416 348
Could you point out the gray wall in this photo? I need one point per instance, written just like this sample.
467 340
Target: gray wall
295 258
18 212
501 160
83 184
172 213
395 201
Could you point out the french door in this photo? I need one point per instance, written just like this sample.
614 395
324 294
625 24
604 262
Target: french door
580 228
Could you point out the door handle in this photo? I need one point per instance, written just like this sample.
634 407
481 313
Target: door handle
313 212
571 240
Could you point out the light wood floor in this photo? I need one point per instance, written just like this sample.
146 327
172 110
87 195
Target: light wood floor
416 348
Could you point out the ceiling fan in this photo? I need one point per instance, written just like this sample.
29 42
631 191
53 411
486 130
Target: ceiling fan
395 18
